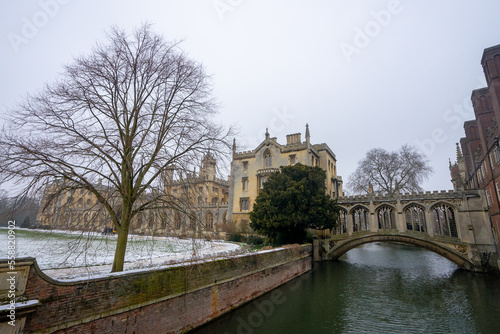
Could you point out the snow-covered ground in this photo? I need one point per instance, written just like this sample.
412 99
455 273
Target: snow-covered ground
70 255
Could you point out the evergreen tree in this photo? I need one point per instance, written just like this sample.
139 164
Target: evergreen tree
292 201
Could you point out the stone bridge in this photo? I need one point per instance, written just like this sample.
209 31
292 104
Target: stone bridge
453 224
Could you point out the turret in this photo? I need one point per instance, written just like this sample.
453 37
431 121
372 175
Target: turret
208 169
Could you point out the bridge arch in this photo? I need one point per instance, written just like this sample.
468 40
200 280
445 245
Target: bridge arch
460 259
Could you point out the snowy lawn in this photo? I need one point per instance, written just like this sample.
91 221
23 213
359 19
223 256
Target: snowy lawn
69 255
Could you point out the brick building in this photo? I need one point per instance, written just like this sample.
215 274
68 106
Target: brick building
478 157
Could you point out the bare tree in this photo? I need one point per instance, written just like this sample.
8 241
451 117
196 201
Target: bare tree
133 108
386 172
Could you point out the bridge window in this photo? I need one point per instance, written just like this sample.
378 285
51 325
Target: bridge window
342 222
415 219
444 221
386 218
360 220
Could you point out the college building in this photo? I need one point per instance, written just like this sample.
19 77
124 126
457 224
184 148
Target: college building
478 156
207 206
250 170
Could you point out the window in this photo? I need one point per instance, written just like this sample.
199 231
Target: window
444 221
292 159
245 166
496 154
492 163
262 180
209 221
268 159
215 190
192 222
488 197
244 204
244 182
415 218
386 218
177 220
360 219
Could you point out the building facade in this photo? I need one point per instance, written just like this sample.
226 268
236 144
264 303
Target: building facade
206 204
251 169
199 207
478 157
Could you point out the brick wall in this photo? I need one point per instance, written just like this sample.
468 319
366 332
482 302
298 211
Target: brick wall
167 300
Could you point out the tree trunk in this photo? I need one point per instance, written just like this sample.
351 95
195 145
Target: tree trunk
121 246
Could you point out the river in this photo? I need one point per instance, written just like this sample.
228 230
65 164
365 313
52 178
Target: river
376 288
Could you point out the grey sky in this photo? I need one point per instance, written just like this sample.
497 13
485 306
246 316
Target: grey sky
363 74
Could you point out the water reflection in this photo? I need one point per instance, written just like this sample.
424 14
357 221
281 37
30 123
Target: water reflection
376 288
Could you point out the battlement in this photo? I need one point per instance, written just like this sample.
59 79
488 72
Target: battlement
428 195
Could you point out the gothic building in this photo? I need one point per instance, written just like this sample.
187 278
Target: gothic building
478 157
250 169
202 213
208 203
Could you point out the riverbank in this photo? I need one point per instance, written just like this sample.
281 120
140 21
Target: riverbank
186 295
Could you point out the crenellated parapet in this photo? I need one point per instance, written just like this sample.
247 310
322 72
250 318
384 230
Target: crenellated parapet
420 196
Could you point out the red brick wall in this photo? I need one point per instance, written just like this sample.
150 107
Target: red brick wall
159 301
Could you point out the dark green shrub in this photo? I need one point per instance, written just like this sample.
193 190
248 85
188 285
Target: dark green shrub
235 237
255 240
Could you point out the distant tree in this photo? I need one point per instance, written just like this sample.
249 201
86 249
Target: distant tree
21 209
292 201
390 172
134 108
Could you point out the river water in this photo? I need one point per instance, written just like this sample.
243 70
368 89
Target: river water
376 288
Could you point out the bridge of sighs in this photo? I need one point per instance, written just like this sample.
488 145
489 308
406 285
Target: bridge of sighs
453 224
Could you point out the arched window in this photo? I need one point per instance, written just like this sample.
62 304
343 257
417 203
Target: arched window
415 218
386 218
268 159
444 221
342 222
192 221
177 220
209 221
360 219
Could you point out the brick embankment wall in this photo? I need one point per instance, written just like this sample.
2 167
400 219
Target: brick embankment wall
170 300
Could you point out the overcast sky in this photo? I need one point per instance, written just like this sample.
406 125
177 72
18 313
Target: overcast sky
363 74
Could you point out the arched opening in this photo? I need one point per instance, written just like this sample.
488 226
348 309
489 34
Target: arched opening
177 220
342 222
209 221
360 219
415 218
444 220
386 218
268 159
460 259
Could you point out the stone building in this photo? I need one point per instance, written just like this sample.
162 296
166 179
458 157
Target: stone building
478 160
204 204
250 169
199 208
204 198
